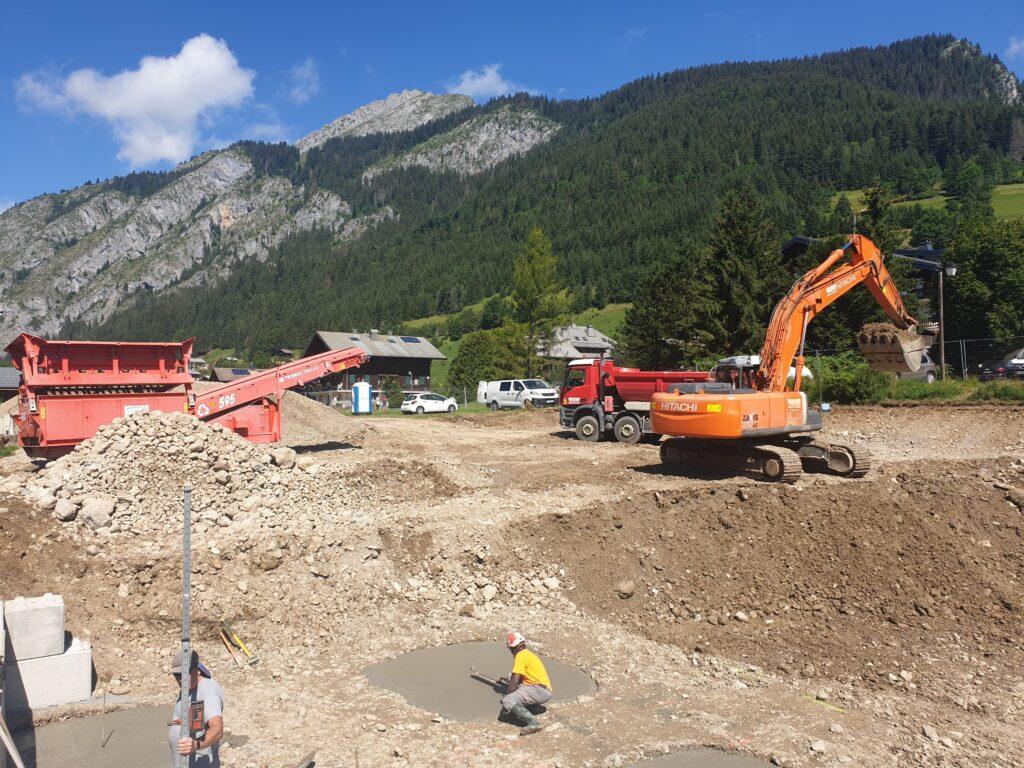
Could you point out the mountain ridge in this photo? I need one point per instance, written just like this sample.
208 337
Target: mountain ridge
616 182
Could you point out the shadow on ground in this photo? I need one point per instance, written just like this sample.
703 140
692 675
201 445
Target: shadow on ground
332 445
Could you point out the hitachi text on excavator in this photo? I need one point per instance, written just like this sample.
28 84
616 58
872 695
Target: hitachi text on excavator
762 422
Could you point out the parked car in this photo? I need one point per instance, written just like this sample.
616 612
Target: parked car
1010 367
516 393
428 402
928 372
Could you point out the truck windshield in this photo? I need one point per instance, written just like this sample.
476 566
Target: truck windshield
536 384
574 377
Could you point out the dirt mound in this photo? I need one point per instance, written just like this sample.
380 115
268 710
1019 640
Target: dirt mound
872 583
129 478
308 423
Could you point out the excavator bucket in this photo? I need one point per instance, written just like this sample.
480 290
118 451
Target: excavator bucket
889 349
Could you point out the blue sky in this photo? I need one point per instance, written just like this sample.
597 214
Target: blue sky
76 104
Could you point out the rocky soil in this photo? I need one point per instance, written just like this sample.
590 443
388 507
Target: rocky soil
871 622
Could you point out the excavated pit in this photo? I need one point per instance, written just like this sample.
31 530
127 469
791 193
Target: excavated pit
702 758
438 679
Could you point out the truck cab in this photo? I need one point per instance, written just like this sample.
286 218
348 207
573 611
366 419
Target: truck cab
599 397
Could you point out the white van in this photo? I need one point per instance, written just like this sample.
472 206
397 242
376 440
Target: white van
516 393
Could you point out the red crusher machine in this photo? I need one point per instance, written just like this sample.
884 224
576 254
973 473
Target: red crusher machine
69 389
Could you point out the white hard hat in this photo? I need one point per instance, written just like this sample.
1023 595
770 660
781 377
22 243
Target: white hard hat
513 638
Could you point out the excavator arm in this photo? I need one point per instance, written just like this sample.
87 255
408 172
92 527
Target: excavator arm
818 289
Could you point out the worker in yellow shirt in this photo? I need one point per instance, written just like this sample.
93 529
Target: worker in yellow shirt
527 685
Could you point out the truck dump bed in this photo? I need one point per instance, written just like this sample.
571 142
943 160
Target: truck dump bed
634 385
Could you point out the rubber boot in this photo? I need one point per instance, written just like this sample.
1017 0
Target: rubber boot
530 723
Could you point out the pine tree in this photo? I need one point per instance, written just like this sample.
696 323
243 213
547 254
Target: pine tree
675 320
746 271
537 303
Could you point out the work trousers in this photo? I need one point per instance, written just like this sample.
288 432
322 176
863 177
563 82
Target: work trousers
526 694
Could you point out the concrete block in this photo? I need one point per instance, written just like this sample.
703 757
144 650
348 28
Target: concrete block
35 627
49 680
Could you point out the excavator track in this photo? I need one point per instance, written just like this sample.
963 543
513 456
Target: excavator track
862 463
834 459
776 463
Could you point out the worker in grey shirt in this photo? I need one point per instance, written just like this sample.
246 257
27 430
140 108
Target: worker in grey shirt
206 700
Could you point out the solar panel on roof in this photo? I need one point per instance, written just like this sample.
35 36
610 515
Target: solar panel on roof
411 339
240 371
354 338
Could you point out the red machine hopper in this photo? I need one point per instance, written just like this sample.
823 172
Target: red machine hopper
70 389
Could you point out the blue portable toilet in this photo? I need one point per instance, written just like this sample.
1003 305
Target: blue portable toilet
362 398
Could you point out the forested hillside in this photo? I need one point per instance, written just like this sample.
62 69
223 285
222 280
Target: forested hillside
630 179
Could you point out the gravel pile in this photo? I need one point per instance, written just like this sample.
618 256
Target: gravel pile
128 478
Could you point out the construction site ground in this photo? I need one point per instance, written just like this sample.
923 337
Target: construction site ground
865 622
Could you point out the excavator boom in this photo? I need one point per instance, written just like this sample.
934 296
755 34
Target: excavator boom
897 350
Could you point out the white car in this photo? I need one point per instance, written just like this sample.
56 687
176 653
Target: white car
428 402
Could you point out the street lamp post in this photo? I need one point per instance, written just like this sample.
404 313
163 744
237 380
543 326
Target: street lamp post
947 269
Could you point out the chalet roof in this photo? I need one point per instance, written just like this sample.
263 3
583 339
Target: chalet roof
10 378
380 344
572 341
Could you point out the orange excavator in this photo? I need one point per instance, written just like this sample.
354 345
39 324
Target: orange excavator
762 421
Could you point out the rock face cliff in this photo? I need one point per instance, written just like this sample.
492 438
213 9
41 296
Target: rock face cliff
477 144
398 112
79 255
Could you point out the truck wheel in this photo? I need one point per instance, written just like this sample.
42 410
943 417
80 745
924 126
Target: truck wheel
587 429
627 430
494 405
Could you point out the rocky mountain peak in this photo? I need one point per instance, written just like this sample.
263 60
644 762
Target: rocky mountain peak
397 112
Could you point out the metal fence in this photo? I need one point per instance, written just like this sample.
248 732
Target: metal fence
963 356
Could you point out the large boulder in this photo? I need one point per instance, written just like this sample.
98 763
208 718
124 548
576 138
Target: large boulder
284 457
97 512
65 510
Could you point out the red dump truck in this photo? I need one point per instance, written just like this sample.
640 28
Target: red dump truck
599 397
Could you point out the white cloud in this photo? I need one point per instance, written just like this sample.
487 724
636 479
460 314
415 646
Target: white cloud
304 81
155 109
485 83
633 35
272 132
1016 47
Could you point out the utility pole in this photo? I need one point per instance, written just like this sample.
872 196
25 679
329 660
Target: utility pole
942 329
186 637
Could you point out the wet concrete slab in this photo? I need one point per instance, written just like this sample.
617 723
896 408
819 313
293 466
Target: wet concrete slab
702 758
129 737
438 679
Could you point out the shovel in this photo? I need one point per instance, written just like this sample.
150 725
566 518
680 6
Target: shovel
484 678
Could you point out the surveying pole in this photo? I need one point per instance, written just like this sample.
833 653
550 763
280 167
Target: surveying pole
186 650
